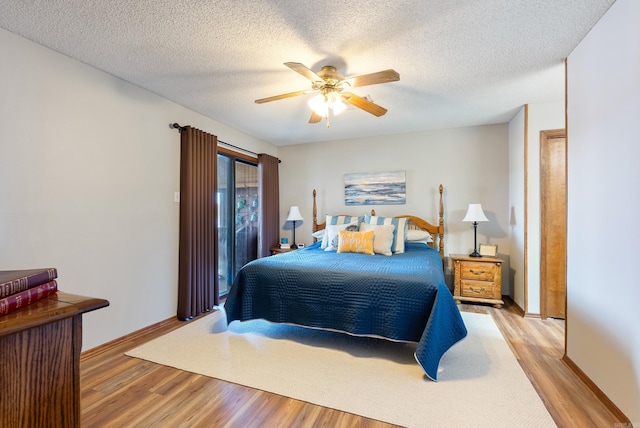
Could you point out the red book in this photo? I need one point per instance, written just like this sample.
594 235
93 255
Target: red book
14 281
26 297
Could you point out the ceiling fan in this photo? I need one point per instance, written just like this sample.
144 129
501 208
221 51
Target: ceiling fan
332 90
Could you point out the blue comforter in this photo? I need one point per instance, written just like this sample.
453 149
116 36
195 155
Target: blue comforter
401 297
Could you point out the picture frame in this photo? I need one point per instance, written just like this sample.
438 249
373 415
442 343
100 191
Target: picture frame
489 250
375 188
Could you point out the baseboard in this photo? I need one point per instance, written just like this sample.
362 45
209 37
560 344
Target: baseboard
610 405
508 300
532 315
131 337
510 303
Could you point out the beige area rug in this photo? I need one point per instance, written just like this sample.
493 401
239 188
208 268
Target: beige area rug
480 383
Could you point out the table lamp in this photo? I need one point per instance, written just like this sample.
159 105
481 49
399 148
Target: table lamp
475 214
294 215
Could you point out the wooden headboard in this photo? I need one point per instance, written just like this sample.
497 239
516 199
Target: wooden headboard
413 223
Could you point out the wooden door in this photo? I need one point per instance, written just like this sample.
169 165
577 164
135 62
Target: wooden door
553 217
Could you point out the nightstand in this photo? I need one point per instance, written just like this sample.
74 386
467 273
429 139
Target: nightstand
278 250
477 279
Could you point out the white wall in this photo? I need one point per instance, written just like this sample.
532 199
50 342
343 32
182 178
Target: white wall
539 117
472 163
603 338
88 168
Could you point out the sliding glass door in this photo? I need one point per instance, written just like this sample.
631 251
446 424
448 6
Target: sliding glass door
238 217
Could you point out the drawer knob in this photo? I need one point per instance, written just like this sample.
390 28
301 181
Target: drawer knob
476 272
477 290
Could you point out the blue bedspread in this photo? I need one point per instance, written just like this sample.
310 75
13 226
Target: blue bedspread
401 297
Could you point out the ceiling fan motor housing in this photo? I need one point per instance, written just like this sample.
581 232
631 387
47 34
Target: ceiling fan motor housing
330 75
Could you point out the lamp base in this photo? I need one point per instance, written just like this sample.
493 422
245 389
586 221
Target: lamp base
475 254
293 238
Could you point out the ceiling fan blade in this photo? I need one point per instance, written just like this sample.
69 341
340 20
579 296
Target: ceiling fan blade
304 70
282 96
384 76
364 104
315 117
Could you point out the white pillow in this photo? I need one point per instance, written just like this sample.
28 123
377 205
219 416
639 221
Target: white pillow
418 235
335 220
382 237
318 234
333 234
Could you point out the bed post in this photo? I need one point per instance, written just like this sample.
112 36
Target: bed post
315 214
441 227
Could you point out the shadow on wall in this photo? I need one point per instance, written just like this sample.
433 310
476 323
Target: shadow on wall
507 272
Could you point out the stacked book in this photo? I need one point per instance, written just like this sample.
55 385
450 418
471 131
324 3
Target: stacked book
19 288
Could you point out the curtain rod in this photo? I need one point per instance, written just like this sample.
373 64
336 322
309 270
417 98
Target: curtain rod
181 128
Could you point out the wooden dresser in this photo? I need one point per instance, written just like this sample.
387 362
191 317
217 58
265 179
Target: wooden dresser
477 279
40 347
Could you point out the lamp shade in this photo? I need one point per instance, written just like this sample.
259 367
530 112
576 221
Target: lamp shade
294 214
475 213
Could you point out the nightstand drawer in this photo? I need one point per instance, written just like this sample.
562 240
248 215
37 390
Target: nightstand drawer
484 289
478 271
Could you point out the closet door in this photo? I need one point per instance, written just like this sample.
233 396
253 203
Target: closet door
553 219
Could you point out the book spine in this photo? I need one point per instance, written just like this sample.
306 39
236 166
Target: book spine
28 281
26 297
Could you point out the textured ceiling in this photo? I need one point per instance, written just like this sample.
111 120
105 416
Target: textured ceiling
461 62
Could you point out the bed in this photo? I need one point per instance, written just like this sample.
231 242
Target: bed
401 297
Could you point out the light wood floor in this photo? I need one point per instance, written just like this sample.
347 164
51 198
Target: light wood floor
120 391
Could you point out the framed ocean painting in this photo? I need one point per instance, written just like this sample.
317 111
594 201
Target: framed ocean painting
375 188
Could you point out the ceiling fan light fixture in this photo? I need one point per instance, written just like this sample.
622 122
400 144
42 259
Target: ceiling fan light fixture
338 107
334 100
319 105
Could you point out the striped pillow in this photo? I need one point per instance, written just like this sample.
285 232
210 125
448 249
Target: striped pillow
335 220
399 232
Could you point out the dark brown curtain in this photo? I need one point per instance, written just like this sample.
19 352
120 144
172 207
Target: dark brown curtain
198 264
269 235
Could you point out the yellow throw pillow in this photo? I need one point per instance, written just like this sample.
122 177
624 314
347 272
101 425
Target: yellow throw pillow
355 242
